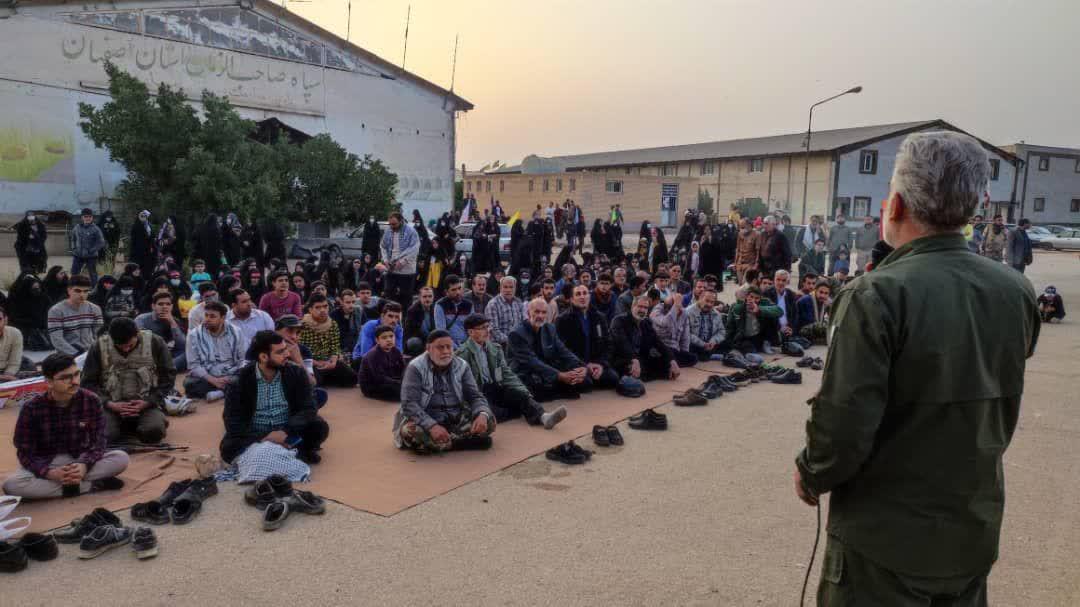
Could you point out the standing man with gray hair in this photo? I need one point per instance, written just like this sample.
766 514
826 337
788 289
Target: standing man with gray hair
399 248
912 451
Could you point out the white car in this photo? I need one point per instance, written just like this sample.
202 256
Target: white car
1038 236
1067 240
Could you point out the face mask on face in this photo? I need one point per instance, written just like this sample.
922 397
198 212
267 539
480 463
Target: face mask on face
174 282
30 218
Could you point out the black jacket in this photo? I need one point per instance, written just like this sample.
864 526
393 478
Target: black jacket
791 308
568 326
240 399
555 357
414 320
775 253
632 340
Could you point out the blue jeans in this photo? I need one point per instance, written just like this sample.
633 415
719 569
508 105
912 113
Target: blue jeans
90 263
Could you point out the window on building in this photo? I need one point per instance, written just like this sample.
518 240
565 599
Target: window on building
708 168
468 186
547 185
628 170
1040 205
1074 205
1044 163
502 185
757 165
614 187
1076 169
487 186
862 206
669 170
868 162
573 184
637 171
995 168
558 185
531 185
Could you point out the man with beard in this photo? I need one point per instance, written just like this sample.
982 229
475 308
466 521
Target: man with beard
865 239
603 298
442 408
636 349
808 235
542 361
775 249
30 235
995 239
271 401
505 311
747 250
586 333
399 248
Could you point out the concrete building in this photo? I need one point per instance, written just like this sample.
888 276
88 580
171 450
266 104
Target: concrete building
269 62
1049 183
640 197
848 170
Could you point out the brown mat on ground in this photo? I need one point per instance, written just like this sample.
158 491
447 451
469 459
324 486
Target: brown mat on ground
360 467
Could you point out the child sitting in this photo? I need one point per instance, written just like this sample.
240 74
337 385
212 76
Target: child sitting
198 274
383 367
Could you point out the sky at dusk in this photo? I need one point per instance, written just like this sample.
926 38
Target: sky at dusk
563 77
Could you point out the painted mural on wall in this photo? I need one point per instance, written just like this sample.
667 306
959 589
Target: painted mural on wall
36 144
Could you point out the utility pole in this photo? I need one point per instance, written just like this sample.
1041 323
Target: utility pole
404 52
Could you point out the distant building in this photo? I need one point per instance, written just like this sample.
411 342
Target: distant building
848 170
1049 183
269 62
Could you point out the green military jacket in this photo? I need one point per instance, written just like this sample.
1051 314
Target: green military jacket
470 352
735 324
919 400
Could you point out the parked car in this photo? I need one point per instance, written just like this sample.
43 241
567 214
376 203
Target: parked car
352 245
464 243
1038 236
1056 229
1067 240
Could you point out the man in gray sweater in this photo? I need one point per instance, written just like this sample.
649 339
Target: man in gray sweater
89 243
839 235
865 239
441 406
74 322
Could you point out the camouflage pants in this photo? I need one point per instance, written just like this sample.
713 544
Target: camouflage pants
816 333
414 437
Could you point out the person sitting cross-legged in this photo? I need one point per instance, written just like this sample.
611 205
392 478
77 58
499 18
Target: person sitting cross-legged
60 439
451 310
132 372
271 402
637 351
161 322
813 323
320 334
74 322
672 326
390 317
442 408
748 322
585 332
383 366
505 394
215 354
542 361
706 328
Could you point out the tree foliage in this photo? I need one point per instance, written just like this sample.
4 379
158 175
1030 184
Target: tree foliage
190 162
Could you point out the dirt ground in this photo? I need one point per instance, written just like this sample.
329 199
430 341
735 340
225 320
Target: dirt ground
703 514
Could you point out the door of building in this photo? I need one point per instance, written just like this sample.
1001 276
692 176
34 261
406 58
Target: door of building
669 204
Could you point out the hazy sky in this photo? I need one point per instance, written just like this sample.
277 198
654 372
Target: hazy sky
563 77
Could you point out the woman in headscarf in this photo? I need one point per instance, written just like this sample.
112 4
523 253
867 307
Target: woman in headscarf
254 284
168 239
121 300
658 251
298 285
133 271
30 235
101 290
230 240
251 243
28 311
56 284
208 245
601 240
479 248
646 231
274 235
141 247
110 228
494 238
372 237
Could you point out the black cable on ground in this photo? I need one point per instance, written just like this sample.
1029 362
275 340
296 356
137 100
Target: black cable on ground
817 538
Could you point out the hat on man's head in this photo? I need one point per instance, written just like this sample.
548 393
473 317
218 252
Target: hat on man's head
87 212
473 321
1050 290
144 213
287 321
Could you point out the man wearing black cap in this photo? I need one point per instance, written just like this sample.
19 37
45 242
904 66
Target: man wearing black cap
89 242
506 394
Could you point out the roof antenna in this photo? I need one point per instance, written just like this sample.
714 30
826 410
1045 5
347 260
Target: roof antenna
408 15
453 68
348 24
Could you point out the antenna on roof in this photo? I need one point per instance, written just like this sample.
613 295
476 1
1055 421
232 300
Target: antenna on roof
408 15
348 24
453 65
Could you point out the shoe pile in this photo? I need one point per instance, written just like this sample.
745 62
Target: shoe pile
277 499
715 386
16 555
570 453
101 531
180 503
649 420
606 436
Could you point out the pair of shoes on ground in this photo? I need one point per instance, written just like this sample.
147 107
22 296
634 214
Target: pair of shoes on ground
178 405
569 453
81 527
277 499
693 398
649 420
606 436
814 363
16 555
105 538
180 503
717 384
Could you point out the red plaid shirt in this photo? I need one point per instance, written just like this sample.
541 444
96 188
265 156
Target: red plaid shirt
45 430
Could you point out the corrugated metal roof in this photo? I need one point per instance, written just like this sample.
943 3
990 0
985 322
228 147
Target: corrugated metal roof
821 141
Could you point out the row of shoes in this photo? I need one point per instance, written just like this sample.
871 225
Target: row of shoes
809 361
277 499
101 531
180 503
649 420
570 453
16 555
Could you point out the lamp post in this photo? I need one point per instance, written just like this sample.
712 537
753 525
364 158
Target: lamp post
806 164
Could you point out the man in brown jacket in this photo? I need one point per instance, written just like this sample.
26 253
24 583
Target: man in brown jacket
747 249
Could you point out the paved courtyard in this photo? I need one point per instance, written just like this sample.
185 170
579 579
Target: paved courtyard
703 514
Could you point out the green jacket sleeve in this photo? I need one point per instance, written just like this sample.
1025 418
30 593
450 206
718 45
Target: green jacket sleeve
166 372
847 410
509 379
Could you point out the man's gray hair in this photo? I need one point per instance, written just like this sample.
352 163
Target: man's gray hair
941 175
509 279
780 273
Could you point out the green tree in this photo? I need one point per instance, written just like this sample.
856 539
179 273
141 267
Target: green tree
705 202
324 181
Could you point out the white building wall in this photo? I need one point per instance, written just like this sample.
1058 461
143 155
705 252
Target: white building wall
851 183
48 65
1059 185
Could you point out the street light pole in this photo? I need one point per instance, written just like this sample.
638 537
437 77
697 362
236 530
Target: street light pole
806 164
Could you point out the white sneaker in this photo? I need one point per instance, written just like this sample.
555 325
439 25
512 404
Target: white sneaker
179 405
766 348
213 395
